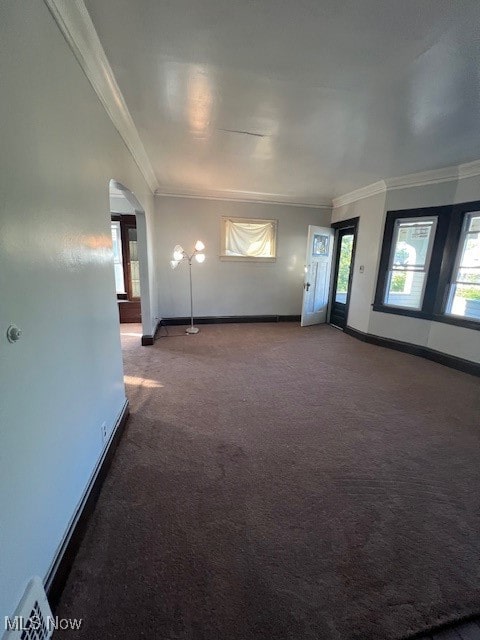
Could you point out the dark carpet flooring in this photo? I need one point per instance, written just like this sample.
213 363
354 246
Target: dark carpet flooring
283 483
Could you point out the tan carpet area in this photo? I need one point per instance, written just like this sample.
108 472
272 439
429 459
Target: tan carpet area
280 483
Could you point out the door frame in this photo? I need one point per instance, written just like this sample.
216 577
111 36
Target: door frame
350 224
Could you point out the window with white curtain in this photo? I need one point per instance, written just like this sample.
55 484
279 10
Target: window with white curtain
248 239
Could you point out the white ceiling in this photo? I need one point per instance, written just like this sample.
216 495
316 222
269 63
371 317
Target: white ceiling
333 94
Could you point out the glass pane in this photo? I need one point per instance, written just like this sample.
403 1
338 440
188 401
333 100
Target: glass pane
405 288
465 301
412 242
469 275
344 265
474 223
117 257
134 263
409 261
471 250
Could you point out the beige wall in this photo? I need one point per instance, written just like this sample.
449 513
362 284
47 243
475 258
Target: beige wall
231 288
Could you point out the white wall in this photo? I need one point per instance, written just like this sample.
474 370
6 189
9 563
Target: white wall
64 377
224 288
456 341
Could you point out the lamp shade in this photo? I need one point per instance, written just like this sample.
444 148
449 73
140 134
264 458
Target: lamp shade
174 264
199 246
200 257
178 253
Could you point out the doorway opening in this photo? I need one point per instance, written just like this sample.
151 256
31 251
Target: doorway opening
127 267
129 242
346 235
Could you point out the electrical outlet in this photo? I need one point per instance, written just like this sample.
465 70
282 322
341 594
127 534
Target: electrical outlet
104 431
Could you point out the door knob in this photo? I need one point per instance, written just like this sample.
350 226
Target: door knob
306 286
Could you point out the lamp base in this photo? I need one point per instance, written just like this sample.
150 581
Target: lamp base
192 330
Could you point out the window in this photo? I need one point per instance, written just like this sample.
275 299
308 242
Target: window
409 262
133 262
344 267
464 291
117 256
248 239
125 256
430 264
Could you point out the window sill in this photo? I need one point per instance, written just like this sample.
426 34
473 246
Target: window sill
466 323
246 259
401 311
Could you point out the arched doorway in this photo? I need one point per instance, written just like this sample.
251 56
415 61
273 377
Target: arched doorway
129 239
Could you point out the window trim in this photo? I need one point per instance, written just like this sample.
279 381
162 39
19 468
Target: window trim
442 263
227 258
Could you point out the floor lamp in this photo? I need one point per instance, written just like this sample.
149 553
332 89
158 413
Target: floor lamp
179 255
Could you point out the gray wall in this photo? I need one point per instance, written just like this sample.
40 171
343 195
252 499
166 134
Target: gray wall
231 288
64 378
456 341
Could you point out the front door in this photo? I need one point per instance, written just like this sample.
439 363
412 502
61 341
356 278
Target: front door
343 277
317 275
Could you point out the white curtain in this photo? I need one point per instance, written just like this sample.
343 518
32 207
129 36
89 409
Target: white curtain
249 239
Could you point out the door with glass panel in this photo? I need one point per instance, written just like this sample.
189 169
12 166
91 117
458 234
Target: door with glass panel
126 264
316 283
342 276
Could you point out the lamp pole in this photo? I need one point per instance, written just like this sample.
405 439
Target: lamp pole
180 255
191 328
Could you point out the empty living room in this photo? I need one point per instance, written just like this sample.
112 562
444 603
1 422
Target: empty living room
239 330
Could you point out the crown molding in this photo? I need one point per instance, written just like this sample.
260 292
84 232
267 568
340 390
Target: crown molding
78 30
446 174
419 179
435 176
243 196
469 169
359 194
